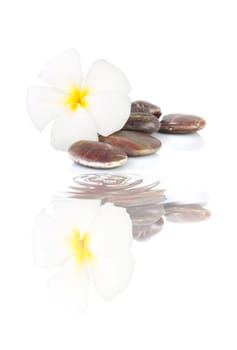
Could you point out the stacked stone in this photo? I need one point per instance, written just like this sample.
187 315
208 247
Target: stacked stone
134 139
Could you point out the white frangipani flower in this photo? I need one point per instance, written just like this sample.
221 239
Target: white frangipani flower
87 241
81 108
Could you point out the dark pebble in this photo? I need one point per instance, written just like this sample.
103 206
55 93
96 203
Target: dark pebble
181 124
144 122
186 213
141 106
146 214
144 232
97 154
133 143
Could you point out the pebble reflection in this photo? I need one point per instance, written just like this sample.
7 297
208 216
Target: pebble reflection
88 232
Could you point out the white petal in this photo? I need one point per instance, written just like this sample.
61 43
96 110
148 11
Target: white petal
72 127
70 285
104 76
112 276
43 105
110 110
50 246
63 71
111 232
75 213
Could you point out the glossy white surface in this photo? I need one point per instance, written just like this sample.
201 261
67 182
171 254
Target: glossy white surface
182 56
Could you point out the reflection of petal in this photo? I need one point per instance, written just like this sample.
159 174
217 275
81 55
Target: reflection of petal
110 111
112 276
111 232
72 127
49 242
187 142
70 285
43 105
63 71
75 213
104 76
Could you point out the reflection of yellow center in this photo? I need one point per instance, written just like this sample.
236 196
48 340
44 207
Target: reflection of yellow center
80 246
77 98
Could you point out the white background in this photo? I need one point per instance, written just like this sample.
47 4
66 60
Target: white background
182 56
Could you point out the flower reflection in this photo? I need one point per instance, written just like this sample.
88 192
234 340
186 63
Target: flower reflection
88 241
89 236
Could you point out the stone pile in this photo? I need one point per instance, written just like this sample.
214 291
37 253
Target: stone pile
135 138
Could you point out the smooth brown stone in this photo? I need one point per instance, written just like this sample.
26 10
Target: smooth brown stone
133 143
146 214
144 122
141 199
181 124
141 106
97 154
144 232
186 213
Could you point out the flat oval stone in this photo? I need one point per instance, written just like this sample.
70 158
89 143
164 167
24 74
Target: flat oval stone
146 214
186 213
144 232
181 124
144 122
133 143
141 106
97 154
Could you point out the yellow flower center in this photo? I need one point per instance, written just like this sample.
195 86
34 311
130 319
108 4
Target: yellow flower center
80 246
77 98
